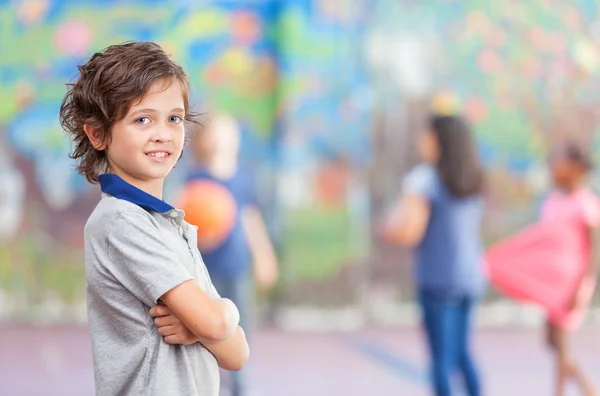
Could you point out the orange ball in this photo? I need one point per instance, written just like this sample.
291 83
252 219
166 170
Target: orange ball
209 206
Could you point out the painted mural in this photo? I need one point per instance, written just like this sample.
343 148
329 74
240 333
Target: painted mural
301 78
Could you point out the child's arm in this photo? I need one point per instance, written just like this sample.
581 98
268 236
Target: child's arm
594 238
142 261
213 320
263 253
408 221
231 354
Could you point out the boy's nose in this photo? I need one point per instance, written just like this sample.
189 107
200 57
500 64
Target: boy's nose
162 135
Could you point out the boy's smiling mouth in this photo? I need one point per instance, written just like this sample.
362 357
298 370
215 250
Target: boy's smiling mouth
159 155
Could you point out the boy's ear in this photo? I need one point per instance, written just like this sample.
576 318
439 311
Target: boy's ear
96 136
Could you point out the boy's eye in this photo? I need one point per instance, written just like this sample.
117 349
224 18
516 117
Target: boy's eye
175 119
143 120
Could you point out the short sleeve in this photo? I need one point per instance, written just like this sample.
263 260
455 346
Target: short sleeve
421 181
141 260
590 209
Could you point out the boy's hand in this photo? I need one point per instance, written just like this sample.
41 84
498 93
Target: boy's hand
170 327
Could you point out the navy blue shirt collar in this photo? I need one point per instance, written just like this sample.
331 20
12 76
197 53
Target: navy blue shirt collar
119 188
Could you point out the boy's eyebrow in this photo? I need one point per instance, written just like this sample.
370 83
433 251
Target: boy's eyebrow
142 111
178 109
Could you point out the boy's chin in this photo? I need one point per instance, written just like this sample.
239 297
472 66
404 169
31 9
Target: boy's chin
157 174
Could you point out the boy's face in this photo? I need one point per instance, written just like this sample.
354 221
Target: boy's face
146 144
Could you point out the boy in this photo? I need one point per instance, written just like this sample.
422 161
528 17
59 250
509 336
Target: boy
157 324
247 254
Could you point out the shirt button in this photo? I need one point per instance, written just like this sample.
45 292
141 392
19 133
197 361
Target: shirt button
174 214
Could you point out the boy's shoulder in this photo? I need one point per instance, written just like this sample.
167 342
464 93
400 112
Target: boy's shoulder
108 211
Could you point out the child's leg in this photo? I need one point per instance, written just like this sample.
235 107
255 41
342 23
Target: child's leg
465 360
550 336
440 325
566 366
563 367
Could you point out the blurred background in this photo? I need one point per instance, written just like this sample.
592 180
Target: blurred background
330 96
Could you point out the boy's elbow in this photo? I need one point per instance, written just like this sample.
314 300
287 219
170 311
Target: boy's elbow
218 330
222 326
240 363
237 361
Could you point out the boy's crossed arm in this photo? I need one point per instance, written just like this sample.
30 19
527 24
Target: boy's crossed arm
141 260
207 318
186 318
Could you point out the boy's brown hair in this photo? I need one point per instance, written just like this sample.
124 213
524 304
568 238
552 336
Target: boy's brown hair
108 84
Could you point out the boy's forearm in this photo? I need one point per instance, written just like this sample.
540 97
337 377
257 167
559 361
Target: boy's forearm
231 354
206 318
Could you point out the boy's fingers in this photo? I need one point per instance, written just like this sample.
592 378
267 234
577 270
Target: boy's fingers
166 331
164 320
172 339
159 310
179 339
153 311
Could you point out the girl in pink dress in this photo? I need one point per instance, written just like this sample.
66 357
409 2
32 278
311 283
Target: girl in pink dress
578 207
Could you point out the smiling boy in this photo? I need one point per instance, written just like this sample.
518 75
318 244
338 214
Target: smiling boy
157 324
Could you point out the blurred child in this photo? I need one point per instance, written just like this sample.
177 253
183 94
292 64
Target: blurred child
573 202
247 254
439 215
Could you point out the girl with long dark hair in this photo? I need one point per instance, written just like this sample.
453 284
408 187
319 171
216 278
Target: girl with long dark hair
439 215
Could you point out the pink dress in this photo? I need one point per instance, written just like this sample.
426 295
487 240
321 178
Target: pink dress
579 211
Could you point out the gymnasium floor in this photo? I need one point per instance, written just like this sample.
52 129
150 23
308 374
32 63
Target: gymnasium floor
56 361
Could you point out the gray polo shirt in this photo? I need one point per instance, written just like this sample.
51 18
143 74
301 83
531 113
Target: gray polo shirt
137 248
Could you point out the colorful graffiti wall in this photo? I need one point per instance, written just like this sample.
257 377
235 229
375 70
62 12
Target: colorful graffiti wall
301 80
